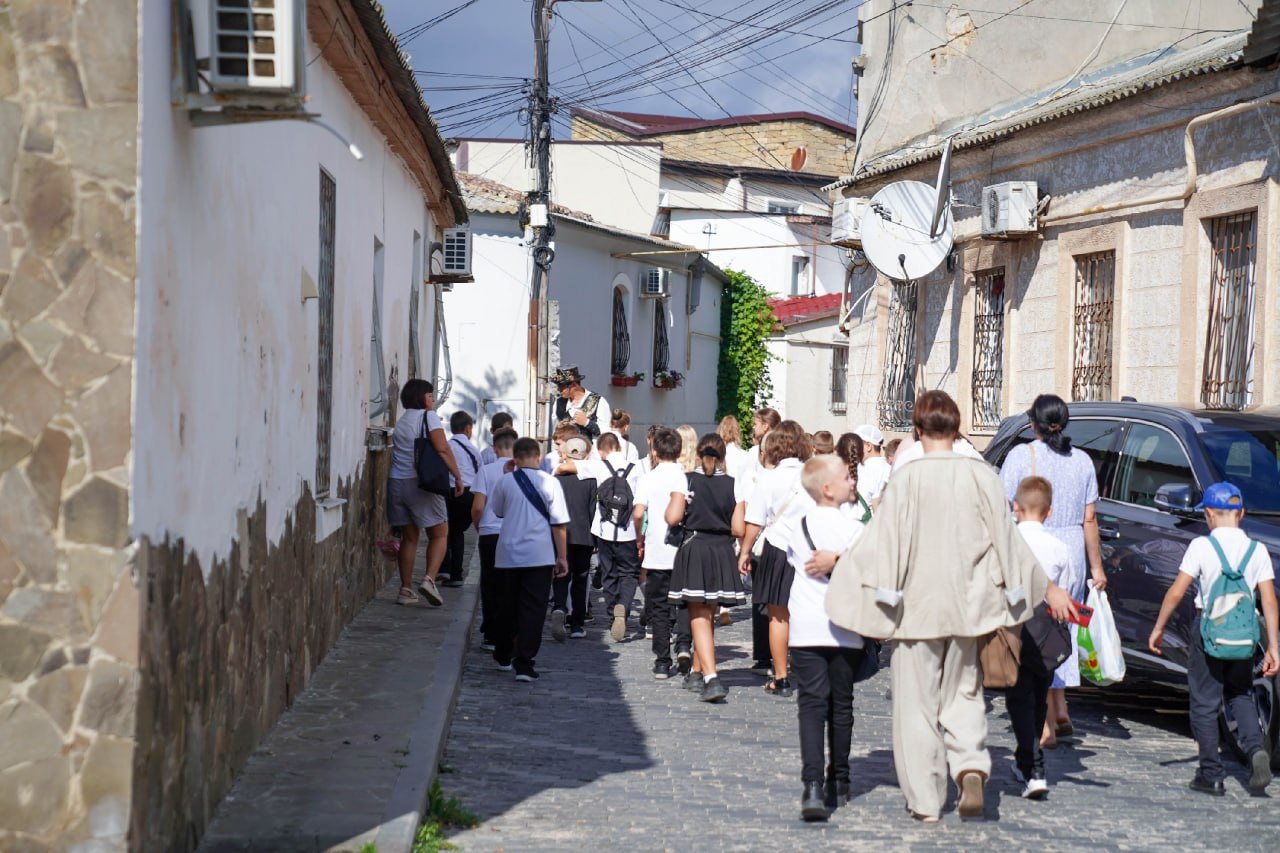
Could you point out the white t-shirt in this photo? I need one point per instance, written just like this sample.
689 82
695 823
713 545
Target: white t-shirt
910 451
873 473
525 539
486 481
629 451
831 531
487 456
777 490
467 456
402 439
1202 563
595 469
1052 553
654 492
736 460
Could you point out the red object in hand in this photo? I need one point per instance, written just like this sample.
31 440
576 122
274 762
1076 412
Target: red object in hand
1085 614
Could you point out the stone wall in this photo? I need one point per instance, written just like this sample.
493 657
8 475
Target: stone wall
222 658
68 600
760 145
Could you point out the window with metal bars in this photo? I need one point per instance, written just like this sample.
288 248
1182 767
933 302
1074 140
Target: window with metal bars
1094 310
839 379
988 348
620 353
324 359
898 386
1227 379
661 347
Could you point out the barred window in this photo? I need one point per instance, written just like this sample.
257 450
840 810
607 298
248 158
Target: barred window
839 379
1094 309
621 348
661 348
988 348
1228 355
898 387
324 359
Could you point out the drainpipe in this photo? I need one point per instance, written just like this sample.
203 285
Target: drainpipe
1189 144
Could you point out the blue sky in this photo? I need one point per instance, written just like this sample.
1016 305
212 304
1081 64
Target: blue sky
704 58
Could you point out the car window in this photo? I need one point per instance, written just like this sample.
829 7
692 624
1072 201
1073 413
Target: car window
1152 458
1251 460
1094 436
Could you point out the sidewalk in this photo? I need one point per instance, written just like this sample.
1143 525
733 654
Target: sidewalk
352 761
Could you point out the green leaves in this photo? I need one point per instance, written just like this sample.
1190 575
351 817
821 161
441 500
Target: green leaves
746 323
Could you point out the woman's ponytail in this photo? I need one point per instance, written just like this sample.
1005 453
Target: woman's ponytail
1049 415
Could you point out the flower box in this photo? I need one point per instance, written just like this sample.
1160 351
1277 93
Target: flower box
623 381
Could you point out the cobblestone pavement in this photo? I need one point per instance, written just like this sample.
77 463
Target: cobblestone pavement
599 755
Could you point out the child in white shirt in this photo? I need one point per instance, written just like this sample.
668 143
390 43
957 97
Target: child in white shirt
656 556
489 525
824 658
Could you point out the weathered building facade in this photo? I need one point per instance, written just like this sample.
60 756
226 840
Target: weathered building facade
202 329
1152 270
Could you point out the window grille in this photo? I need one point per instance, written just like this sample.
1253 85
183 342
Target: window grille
786 207
324 360
1094 309
988 349
661 347
839 379
621 351
898 387
1228 354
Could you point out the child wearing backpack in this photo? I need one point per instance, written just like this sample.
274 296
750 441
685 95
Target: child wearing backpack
1230 567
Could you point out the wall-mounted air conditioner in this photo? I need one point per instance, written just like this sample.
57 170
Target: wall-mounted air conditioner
656 283
846 222
1010 210
457 251
253 45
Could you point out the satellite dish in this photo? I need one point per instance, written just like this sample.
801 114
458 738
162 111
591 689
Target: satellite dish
798 158
907 228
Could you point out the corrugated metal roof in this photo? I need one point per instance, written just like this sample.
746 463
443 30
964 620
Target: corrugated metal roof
1215 55
1263 46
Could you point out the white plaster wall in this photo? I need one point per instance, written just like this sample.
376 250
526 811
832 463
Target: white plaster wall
705 192
487 325
616 183
803 377
225 405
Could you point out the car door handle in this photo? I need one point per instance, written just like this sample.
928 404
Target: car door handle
1109 532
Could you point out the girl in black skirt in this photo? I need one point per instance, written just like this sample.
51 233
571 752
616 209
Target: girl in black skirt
705 574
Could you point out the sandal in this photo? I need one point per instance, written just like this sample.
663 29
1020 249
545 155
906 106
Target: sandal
778 687
1064 729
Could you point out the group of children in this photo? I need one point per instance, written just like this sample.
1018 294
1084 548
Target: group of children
689 523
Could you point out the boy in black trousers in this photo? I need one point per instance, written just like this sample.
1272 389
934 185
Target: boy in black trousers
460 424
571 590
489 525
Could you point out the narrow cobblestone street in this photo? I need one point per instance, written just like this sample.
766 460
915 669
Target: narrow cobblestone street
599 755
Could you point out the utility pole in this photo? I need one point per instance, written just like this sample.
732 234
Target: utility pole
539 205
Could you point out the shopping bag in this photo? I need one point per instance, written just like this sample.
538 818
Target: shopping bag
1101 659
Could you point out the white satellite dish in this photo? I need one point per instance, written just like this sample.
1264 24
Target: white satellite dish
907 228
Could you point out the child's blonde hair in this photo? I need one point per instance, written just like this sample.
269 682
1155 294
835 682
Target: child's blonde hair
1035 496
688 447
820 470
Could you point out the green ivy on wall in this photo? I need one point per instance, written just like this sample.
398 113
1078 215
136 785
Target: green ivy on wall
746 322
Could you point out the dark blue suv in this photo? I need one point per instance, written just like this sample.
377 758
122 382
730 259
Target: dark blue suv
1153 463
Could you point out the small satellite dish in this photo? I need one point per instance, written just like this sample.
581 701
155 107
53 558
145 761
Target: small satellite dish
798 158
907 228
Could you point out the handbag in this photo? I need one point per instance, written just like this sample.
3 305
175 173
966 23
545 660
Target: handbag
1047 635
676 532
999 655
433 474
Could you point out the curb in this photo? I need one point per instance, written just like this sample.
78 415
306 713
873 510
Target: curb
408 801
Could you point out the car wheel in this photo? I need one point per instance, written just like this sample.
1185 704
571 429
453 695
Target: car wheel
1266 701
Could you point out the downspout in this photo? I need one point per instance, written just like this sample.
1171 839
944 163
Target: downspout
1189 145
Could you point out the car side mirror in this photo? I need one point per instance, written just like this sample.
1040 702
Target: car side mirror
1177 498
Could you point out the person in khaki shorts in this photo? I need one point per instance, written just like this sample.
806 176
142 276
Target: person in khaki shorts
943 526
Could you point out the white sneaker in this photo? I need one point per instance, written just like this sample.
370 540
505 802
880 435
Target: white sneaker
430 593
1036 789
557 626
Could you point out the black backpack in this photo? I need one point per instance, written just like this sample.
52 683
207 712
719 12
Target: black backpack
615 499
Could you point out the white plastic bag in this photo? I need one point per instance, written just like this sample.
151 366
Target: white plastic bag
1101 659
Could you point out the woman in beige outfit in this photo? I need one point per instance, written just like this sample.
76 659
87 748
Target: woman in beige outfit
940 566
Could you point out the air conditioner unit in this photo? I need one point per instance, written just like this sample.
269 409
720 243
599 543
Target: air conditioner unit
253 46
656 283
457 251
1009 210
846 222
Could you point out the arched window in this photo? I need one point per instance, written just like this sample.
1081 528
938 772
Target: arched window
661 348
620 354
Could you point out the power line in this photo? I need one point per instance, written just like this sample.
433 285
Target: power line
413 32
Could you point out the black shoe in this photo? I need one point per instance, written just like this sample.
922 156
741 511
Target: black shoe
597 580
684 661
812 806
713 690
693 682
837 794
527 674
452 581
661 671
780 687
1204 786
1260 770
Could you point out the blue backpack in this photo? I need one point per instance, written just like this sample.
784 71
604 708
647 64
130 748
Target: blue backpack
1229 622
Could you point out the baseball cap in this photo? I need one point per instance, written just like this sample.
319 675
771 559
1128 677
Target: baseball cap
1222 496
869 434
575 448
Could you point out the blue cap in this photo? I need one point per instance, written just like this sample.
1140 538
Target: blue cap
1221 496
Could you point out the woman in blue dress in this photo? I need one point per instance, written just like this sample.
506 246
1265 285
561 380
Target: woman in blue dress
1074 522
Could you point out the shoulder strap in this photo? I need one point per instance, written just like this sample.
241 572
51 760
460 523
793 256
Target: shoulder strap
804 528
531 493
422 428
1032 445
612 473
626 472
474 461
1248 555
866 509
590 404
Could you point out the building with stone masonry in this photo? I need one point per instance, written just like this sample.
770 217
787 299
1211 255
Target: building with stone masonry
1149 269
204 318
